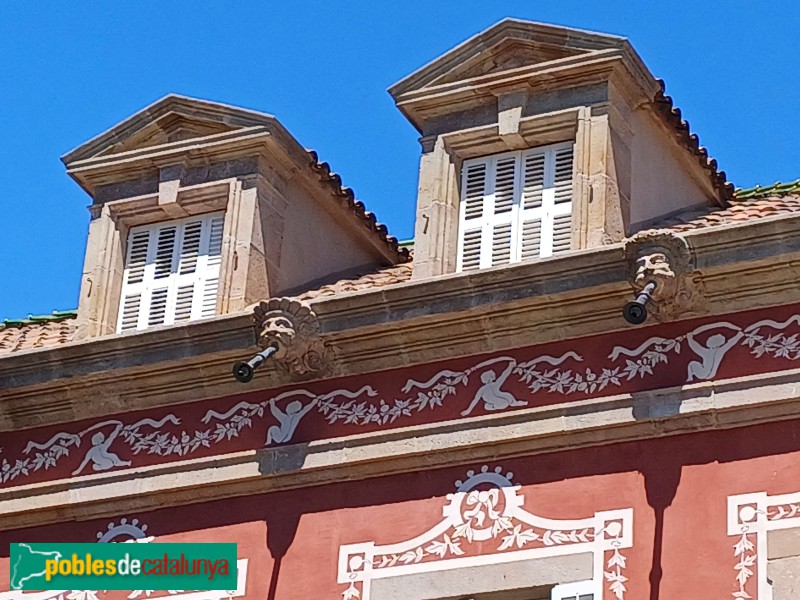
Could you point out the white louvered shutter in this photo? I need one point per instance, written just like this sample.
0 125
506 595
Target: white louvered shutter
532 213
502 207
547 201
171 272
472 214
515 206
562 199
489 209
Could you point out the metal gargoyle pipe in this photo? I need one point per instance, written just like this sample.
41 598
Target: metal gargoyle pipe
635 312
244 371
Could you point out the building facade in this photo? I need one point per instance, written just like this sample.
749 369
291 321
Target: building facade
478 422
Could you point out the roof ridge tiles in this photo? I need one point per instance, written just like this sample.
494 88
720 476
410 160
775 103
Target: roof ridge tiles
55 316
369 219
691 141
776 189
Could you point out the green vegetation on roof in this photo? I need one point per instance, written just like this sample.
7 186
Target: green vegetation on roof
776 189
406 243
57 315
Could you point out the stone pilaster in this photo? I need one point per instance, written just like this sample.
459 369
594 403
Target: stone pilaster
436 231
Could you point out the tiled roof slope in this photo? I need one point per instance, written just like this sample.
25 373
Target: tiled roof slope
747 205
382 278
58 328
37 331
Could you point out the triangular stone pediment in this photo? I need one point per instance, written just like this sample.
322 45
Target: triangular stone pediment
504 56
509 44
172 119
172 127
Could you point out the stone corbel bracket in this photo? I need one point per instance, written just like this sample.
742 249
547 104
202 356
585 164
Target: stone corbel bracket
292 326
665 258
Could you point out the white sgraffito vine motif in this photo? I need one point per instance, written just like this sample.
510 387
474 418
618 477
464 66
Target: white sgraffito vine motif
615 565
132 532
745 517
751 517
485 523
103 434
712 351
783 511
536 373
231 423
744 553
709 344
355 409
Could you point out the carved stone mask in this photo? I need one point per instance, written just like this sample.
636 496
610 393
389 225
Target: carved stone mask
655 267
277 329
293 327
665 258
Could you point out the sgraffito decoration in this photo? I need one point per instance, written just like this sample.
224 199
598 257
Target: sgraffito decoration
636 360
132 531
485 523
750 519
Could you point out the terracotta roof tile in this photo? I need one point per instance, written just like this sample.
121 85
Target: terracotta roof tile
747 205
36 331
376 279
58 328
672 116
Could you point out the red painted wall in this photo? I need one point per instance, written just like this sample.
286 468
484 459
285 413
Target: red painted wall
292 538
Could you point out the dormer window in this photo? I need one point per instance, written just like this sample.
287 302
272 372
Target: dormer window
171 272
201 209
515 206
496 183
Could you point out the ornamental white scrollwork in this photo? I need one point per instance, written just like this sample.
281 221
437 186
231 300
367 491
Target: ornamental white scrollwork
562 375
751 517
487 512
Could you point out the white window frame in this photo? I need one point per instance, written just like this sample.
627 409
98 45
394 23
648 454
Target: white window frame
573 591
175 279
546 213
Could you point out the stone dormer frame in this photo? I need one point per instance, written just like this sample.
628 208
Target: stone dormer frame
181 157
520 84
600 193
101 283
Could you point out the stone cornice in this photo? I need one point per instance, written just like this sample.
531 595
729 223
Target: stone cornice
119 371
176 104
255 140
741 267
600 65
703 406
507 30
154 153
92 172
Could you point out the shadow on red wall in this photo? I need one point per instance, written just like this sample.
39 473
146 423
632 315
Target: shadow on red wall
660 462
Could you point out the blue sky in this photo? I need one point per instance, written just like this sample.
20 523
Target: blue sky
71 70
